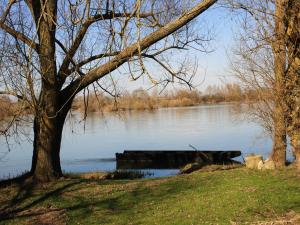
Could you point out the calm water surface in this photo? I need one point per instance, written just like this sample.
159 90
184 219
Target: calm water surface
212 127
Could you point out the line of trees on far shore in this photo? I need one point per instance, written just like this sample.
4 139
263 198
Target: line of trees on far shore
141 99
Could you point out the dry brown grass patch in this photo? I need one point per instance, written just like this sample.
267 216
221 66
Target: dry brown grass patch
289 218
45 216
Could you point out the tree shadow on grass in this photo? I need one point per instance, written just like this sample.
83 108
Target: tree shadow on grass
26 202
25 199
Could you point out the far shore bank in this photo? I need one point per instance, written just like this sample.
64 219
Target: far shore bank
142 100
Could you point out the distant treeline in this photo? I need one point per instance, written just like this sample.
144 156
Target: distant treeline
12 108
141 99
8 107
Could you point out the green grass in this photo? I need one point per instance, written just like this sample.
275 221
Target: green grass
220 197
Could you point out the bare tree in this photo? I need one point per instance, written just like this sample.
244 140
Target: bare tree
260 64
52 50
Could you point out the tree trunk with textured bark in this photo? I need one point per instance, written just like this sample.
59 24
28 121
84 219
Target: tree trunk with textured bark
279 146
47 142
49 114
293 76
278 155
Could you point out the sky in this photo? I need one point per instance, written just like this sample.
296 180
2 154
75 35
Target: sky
213 67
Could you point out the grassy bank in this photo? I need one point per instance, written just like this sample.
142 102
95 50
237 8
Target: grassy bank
236 196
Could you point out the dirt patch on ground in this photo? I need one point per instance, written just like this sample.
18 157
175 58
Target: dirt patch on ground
153 183
44 216
289 218
212 168
91 175
95 188
194 167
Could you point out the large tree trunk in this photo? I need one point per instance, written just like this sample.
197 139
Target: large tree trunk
279 148
46 154
49 113
47 141
46 160
279 143
293 76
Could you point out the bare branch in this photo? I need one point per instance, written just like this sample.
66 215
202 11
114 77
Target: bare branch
132 50
84 28
6 12
20 36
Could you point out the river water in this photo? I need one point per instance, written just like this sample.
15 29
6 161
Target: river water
91 146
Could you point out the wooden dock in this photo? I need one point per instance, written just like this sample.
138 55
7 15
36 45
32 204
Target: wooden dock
151 159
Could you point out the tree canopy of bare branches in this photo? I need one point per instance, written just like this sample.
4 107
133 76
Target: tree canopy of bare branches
51 50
